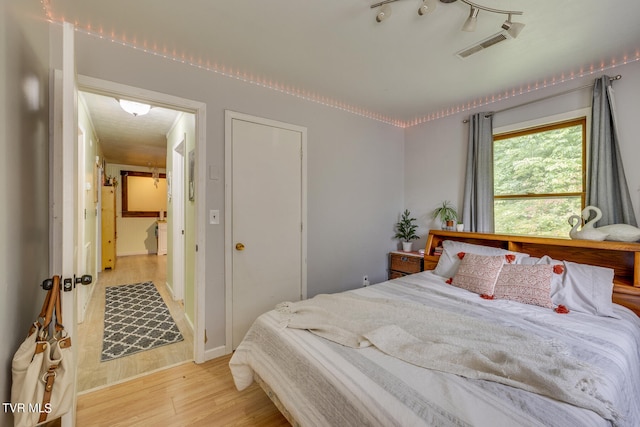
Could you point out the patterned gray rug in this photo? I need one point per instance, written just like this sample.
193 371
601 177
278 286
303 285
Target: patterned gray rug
136 319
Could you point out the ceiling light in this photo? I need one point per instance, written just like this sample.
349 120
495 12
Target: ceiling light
512 28
385 12
472 20
427 6
134 108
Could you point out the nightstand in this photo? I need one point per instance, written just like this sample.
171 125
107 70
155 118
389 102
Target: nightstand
403 263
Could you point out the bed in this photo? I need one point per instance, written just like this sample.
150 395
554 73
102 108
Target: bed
405 352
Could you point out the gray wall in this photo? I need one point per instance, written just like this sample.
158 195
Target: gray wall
435 152
355 169
24 171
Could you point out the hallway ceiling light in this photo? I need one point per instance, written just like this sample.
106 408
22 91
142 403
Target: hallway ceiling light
134 108
428 6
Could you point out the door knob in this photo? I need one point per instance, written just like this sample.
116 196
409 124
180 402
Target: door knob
239 247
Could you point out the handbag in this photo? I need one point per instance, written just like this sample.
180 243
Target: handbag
42 388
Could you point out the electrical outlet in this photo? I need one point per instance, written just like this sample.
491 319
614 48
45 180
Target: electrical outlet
365 281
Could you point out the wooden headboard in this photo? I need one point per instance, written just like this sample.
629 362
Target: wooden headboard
623 258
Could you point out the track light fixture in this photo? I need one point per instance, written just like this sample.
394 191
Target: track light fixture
513 28
472 21
384 13
428 6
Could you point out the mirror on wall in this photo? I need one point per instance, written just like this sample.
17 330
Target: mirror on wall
142 195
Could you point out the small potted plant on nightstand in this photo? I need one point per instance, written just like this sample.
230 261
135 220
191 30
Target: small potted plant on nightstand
406 230
447 215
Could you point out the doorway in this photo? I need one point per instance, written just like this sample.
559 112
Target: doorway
138 267
266 201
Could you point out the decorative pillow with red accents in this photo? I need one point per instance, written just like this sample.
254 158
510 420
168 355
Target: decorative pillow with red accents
478 273
526 284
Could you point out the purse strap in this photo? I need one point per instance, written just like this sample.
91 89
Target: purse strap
52 300
58 307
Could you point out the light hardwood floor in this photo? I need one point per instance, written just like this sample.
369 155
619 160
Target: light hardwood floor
183 394
186 395
92 373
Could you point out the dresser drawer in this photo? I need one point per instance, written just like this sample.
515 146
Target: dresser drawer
395 274
407 264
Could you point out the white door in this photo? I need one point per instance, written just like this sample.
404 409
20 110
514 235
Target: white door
267 218
64 206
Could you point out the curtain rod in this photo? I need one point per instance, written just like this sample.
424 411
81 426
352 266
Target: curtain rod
618 77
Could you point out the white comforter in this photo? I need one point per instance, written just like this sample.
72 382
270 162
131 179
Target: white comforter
324 383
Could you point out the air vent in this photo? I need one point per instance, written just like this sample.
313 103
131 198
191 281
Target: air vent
482 45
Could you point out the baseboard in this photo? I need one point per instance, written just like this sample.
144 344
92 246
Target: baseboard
134 377
135 253
214 353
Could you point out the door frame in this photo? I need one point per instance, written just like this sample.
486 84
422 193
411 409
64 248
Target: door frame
63 258
177 228
81 268
108 88
229 116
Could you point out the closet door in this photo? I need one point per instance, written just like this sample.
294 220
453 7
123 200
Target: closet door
267 219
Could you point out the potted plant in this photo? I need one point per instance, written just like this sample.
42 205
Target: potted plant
447 215
406 230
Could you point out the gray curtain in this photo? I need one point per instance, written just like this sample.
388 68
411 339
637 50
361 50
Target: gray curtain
606 183
477 207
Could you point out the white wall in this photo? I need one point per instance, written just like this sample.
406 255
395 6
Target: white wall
355 169
435 152
24 176
134 236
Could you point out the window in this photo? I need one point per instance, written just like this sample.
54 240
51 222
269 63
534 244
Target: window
539 178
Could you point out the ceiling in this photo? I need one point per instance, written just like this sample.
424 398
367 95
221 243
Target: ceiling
126 139
401 70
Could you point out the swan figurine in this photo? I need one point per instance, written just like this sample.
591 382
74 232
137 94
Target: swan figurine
584 234
615 232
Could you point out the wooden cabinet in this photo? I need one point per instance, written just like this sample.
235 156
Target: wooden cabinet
403 263
109 233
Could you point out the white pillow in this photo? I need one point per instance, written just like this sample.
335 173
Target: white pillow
585 288
581 287
449 261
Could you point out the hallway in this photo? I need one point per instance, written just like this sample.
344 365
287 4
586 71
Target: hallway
92 373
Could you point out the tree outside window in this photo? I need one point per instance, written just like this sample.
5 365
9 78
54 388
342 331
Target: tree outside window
539 179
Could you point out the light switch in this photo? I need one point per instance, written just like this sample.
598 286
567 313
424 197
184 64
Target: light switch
214 216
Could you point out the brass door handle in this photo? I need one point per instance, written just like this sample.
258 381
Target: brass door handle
239 247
